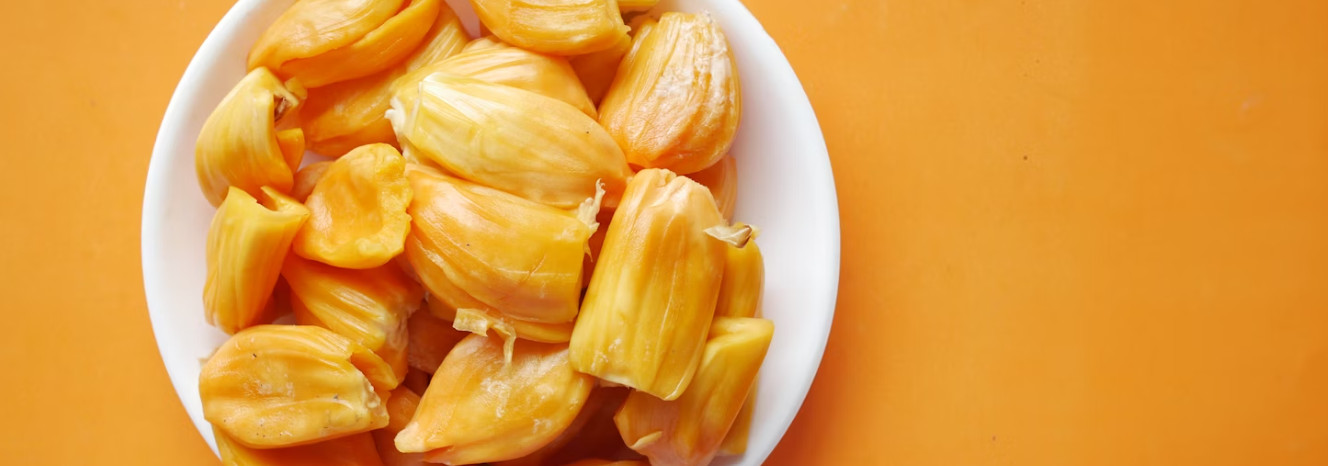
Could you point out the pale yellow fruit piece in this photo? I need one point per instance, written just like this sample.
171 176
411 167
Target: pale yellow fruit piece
342 116
358 208
744 277
740 296
307 178
431 338
591 435
688 431
400 409
495 62
636 5
650 301
352 450
485 41
239 144
246 245
676 100
735 443
479 248
368 306
287 385
320 42
480 408
569 27
511 139
596 70
722 181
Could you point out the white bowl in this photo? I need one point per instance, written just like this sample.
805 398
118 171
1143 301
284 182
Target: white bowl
785 187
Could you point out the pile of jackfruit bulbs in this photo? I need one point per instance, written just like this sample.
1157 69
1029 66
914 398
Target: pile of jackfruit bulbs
520 251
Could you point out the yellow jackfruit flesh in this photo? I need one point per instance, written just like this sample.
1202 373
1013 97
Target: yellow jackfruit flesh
740 296
652 296
246 245
275 386
636 5
480 248
591 435
689 430
240 145
358 208
400 409
676 100
431 338
735 442
571 27
481 408
342 116
510 139
596 70
481 322
462 322
368 306
352 450
320 42
495 62
744 276
307 178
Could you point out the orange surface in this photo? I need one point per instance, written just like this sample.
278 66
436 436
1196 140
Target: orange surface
1074 232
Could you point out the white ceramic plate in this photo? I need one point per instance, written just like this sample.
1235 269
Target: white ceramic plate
784 179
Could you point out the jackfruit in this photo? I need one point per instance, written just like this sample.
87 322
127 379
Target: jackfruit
495 62
358 208
636 5
510 139
560 28
246 245
368 306
735 442
744 278
676 100
688 431
596 70
288 385
400 409
239 144
431 338
484 409
320 42
342 116
307 178
591 435
480 248
652 296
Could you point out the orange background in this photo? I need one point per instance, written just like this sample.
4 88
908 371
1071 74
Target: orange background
1074 232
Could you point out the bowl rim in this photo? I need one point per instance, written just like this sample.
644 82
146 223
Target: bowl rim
207 57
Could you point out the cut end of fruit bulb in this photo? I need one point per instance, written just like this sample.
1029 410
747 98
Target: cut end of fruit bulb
736 235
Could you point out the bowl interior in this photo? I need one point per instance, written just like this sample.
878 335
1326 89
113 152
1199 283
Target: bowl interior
785 187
